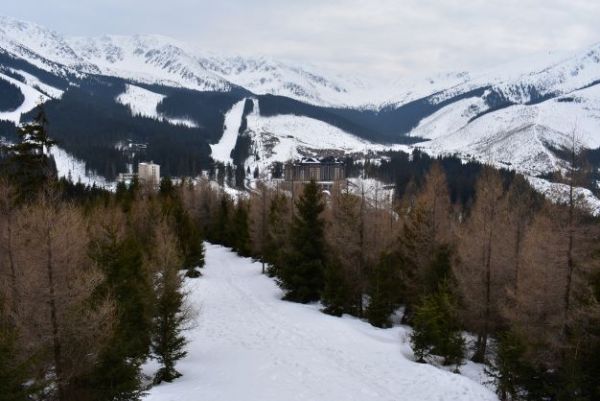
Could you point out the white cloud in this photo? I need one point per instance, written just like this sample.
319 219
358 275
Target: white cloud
383 37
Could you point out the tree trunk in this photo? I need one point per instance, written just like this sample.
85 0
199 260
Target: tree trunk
482 339
517 259
56 346
11 263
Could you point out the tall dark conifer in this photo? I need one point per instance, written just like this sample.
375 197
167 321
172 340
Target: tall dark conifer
167 340
117 375
239 230
29 168
302 275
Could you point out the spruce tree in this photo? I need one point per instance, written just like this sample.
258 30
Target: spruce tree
220 223
508 369
276 241
436 330
29 168
337 294
167 341
117 375
302 275
383 290
190 241
188 232
239 230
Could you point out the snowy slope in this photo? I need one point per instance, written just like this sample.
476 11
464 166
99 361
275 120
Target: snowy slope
521 136
143 102
287 137
74 169
32 98
249 345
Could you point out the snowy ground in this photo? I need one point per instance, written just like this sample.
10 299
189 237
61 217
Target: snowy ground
33 97
249 345
69 166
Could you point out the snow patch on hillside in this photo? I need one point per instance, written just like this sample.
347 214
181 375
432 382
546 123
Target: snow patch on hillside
250 345
40 86
32 96
559 193
144 103
74 169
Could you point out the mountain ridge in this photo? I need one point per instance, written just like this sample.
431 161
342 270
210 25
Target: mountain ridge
511 115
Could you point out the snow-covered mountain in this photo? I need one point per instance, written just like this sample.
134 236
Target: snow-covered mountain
516 115
161 60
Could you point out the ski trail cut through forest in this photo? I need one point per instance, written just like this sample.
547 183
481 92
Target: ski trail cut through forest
221 151
248 344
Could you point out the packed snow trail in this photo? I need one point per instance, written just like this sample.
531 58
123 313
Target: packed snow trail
249 345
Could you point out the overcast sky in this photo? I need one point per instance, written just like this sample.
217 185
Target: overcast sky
386 37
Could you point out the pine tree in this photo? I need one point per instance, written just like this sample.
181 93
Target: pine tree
302 275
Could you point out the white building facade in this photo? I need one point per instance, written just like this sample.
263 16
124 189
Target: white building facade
149 173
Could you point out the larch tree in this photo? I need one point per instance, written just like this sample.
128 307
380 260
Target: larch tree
483 253
60 282
427 227
344 276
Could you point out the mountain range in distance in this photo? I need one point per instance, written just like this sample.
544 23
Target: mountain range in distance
190 106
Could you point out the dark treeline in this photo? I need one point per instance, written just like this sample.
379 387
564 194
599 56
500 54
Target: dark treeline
407 173
90 281
518 272
10 96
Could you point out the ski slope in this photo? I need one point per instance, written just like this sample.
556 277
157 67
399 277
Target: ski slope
221 151
142 102
249 345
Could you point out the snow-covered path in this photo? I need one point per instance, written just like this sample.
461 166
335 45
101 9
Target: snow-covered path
249 345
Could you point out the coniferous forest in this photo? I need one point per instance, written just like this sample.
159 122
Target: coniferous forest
480 266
